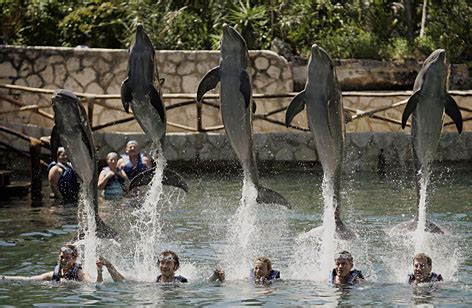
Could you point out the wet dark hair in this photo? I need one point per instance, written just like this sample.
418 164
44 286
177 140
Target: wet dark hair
265 261
344 255
173 254
423 257
72 247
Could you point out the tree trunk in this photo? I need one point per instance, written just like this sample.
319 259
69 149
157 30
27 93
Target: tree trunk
423 18
408 20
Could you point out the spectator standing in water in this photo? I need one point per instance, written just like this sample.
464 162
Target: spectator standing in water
133 162
63 179
113 180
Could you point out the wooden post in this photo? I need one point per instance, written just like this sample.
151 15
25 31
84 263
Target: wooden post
36 178
199 117
90 104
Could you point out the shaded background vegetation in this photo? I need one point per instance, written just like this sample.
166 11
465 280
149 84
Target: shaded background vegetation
372 29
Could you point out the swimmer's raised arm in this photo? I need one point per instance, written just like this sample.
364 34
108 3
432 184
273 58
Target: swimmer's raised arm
115 275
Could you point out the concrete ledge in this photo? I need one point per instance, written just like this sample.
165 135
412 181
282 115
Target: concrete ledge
362 149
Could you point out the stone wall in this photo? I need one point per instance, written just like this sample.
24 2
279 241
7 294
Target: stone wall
101 71
362 149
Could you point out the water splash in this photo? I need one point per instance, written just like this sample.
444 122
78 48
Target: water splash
146 228
87 227
315 249
242 228
420 235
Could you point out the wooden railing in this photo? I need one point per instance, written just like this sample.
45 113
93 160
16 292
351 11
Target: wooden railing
188 99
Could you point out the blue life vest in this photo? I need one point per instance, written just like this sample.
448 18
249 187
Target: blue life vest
68 184
73 274
270 278
130 170
179 278
352 278
432 278
114 186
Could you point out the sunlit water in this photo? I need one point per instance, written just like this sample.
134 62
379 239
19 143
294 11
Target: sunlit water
203 229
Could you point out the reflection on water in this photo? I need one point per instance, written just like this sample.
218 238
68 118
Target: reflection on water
198 228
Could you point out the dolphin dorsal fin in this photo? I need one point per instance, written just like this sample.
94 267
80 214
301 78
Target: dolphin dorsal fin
410 107
208 82
452 110
245 88
296 106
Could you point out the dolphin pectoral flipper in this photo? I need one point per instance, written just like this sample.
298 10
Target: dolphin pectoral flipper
410 107
296 105
268 196
452 110
343 232
170 178
156 102
55 141
245 87
208 82
126 95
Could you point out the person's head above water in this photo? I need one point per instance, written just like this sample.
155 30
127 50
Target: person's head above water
343 263
168 262
262 267
112 159
68 255
422 266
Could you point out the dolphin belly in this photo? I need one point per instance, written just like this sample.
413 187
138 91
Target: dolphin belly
81 160
237 122
148 118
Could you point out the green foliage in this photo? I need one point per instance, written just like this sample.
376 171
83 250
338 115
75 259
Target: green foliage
376 29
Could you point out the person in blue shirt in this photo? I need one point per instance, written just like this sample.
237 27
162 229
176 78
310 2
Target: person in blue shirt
63 179
261 273
133 162
113 180
343 273
422 270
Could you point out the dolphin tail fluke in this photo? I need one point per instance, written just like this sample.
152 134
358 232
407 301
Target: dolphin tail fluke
126 95
208 82
410 107
103 230
452 110
170 178
268 196
296 106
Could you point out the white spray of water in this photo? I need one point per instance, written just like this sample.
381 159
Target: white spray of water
87 227
147 226
314 251
420 236
327 249
241 231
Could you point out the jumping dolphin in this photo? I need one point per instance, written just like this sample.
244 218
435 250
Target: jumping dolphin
141 91
427 104
324 106
236 102
72 131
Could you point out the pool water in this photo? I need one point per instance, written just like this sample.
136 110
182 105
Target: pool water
200 227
